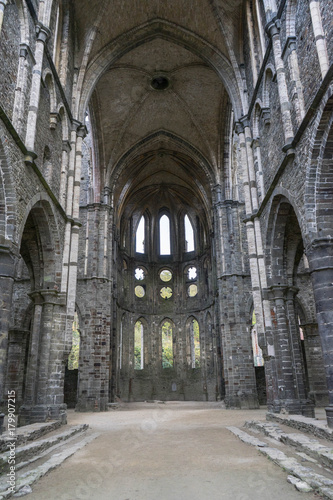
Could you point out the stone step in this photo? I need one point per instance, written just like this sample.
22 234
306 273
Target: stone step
313 426
303 478
24 479
302 442
28 433
32 450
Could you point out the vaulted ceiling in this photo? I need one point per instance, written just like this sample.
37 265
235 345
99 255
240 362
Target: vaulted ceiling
194 46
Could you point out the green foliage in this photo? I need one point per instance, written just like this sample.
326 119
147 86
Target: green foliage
167 345
166 292
137 345
137 358
73 358
196 339
165 275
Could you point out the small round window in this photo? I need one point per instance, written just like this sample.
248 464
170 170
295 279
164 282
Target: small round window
192 273
165 275
139 291
192 290
166 292
139 274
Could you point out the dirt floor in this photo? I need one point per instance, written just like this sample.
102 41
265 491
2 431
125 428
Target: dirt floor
170 451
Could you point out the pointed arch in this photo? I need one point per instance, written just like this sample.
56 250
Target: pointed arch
193 347
189 234
159 28
167 330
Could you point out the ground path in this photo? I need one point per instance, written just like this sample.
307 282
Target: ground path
171 451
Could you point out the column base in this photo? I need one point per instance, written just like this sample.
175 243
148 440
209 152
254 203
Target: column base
42 413
329 416
242 401
293 407
91 404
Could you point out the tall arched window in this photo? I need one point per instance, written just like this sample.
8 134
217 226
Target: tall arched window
167 344
165 243
189 234
195 344
138 346
140 236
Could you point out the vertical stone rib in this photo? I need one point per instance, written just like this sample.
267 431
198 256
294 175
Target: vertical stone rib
273 31
319 37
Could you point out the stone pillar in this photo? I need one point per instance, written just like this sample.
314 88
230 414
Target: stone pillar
307 405
297 97
16 359
30 396
320 256
66 148
7 270
27 61
3 4
290 394
273 30
233 285
43 34
314 362
320 38
45 371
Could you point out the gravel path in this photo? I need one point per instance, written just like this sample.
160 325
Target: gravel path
171 451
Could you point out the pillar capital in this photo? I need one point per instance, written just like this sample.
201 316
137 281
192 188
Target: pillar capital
8 259
277 292
82 131
43 33
30 158
239 128
273 27
66 146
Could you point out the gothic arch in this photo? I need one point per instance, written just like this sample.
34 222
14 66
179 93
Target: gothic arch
7 198
281 249
159 28
319 178
43 242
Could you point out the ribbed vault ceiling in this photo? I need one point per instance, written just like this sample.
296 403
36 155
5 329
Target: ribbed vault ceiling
124 108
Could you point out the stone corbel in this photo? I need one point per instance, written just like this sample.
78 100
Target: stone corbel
289 46
43 33
273 27
66 146
54 120
25 51
265 115
30 158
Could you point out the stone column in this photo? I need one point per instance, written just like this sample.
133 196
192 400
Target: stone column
7 270
307 406
66 148
16 359
3 4
45 372
290 377
274 31
285 394
43 34
297 97
30 396
320 38
27 62
315 367
320 256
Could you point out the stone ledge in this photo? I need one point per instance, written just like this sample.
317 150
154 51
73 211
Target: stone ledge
31 450
316 427
28 433
301 442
